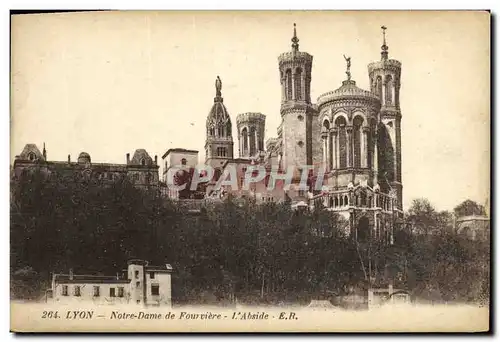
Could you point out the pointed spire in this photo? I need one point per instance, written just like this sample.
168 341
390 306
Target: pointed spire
44 152
385 48
295 40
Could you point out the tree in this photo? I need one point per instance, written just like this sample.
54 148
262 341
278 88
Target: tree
468 208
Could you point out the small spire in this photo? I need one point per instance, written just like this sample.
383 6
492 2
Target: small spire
44 152
295 40
385 48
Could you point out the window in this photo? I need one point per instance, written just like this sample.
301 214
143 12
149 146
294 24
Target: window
288 84
342 142
143 162
31 156
357 123
138 284
244 134
65 290
110 176
112 292
388 90
136 274
120 291
183 161
76 291
96 291
221 152
151 275
298 84
155 290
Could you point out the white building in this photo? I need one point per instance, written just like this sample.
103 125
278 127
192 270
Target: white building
141 284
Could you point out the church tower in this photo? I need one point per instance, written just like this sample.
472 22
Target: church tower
297 112
219 141
385 81
251 128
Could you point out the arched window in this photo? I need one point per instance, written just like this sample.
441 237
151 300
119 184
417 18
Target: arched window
244 135
331 202
378 86
346 200
342 141
326 125
31 156
183 161
341 201
288 84
357 123
252 141
388 90
228 129
143 162
336 201
298 84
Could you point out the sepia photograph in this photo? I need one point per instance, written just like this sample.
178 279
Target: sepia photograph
250 171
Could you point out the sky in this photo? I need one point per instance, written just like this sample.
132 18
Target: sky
112 82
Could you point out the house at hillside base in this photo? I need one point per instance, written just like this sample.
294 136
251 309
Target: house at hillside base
140 284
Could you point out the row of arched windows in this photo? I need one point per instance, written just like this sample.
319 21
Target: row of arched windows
353 148
359 200
220 130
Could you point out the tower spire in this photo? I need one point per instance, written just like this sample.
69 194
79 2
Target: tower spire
385 48
44 152
295 40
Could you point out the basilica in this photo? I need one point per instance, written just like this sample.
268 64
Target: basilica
352 133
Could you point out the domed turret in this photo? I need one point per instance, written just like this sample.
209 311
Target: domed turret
84 158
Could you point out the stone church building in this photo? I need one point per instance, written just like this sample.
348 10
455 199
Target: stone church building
351 133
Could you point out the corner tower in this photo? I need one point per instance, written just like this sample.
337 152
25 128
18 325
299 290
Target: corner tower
297 112
219 141
385 81
251 128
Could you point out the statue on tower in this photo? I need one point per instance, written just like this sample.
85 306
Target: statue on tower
218 87
348 71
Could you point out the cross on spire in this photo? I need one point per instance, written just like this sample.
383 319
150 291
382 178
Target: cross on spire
295 40
385 48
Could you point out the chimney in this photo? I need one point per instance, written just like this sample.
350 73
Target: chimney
69 159
156 160
128 158
70 274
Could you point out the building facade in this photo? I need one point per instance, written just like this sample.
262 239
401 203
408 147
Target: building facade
141 170
140 284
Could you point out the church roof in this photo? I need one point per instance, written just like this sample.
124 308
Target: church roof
218 114
348 90
141 155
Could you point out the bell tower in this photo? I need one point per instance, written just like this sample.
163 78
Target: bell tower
385 81
297 112
219 140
